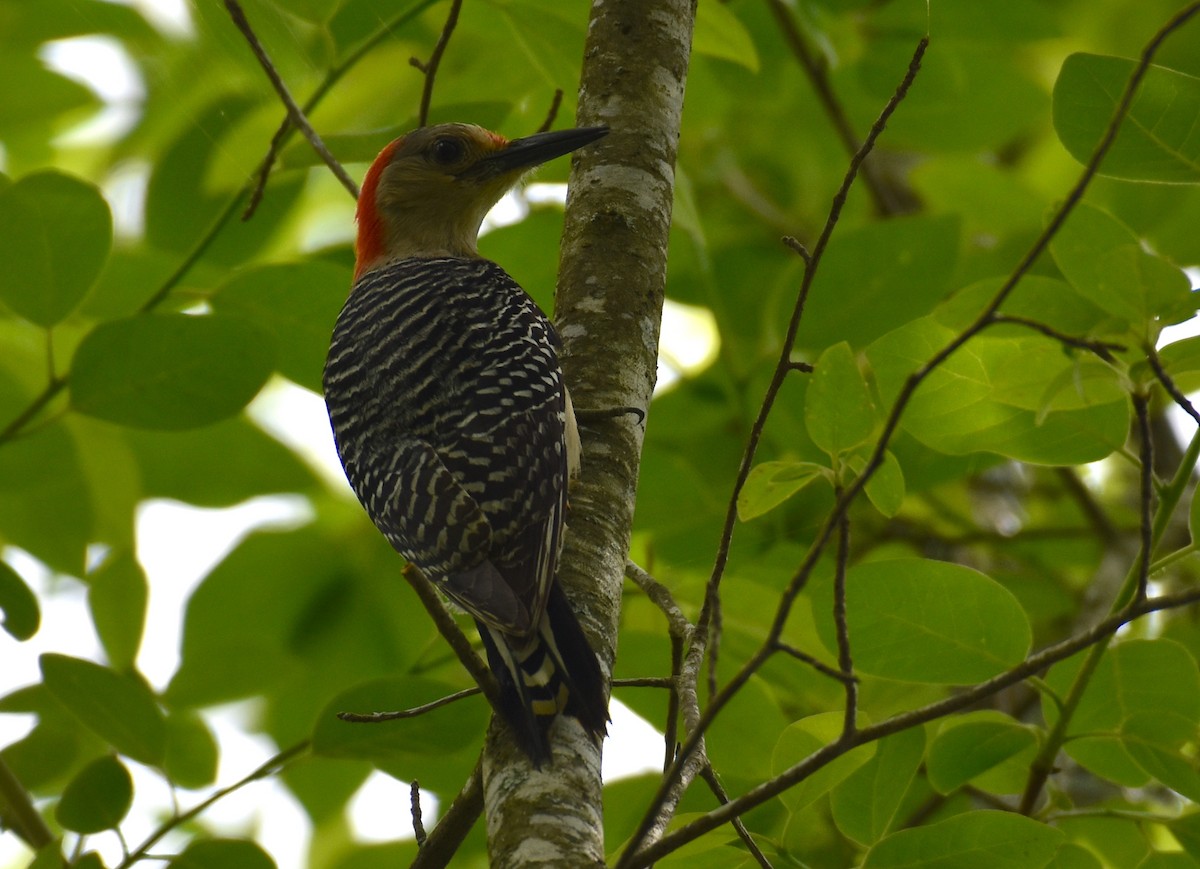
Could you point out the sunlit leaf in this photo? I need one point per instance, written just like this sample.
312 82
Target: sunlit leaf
1158 141
927 621
838 411
771 483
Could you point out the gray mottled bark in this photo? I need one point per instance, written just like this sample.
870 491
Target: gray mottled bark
609 308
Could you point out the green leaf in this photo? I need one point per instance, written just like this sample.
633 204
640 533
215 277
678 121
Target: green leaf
21 613
98 798
298 304
1169 860
979 840
1158 140
720 33
896 270
192 753
927 621
1155 678
885 489
169 371
222 854
1104 261
1171 767
769 484
988 398
971 744
1072 856
117 708
838 409
55 233
117 595
864 805
1186 829
803 738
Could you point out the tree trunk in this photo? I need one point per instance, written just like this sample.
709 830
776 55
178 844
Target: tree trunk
609 309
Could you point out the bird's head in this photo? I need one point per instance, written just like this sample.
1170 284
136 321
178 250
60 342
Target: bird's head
427 192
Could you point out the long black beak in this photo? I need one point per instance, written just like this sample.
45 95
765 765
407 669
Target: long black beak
534 150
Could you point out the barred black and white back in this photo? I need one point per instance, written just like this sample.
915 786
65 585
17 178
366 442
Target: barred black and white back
451 420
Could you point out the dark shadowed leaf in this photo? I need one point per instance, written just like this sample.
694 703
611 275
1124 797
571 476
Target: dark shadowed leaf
169 371
18 604
96 799
116 707
55 233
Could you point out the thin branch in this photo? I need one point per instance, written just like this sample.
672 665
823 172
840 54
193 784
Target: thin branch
1142 409
555 103
335 73
414 801
430 68
797 246
677 623
668 792
270 767
450 631
645 682
823 669
789 778
377 717
714 784
295 114
442 844
891 425
1169 384
845 660
1103 349
19 812
817 70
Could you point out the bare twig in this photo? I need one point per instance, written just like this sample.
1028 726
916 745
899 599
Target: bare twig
19 812
823 669
886 200
377 717
1141 407
668 792
295 114
841 625
335 73
270 767
1169 384
904 721
443 842
1103 349
555 103
661 597
429 68
714 784
449 630
796 245
414 800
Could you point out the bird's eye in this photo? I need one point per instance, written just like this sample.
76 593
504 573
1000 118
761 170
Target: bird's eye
447 151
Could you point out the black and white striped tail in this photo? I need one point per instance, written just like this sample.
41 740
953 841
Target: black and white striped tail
552 671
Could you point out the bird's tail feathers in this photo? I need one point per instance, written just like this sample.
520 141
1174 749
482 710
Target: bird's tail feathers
552 671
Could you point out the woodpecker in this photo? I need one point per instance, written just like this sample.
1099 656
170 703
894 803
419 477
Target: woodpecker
452 419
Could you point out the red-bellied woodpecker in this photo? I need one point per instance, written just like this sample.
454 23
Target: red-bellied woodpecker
451 416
